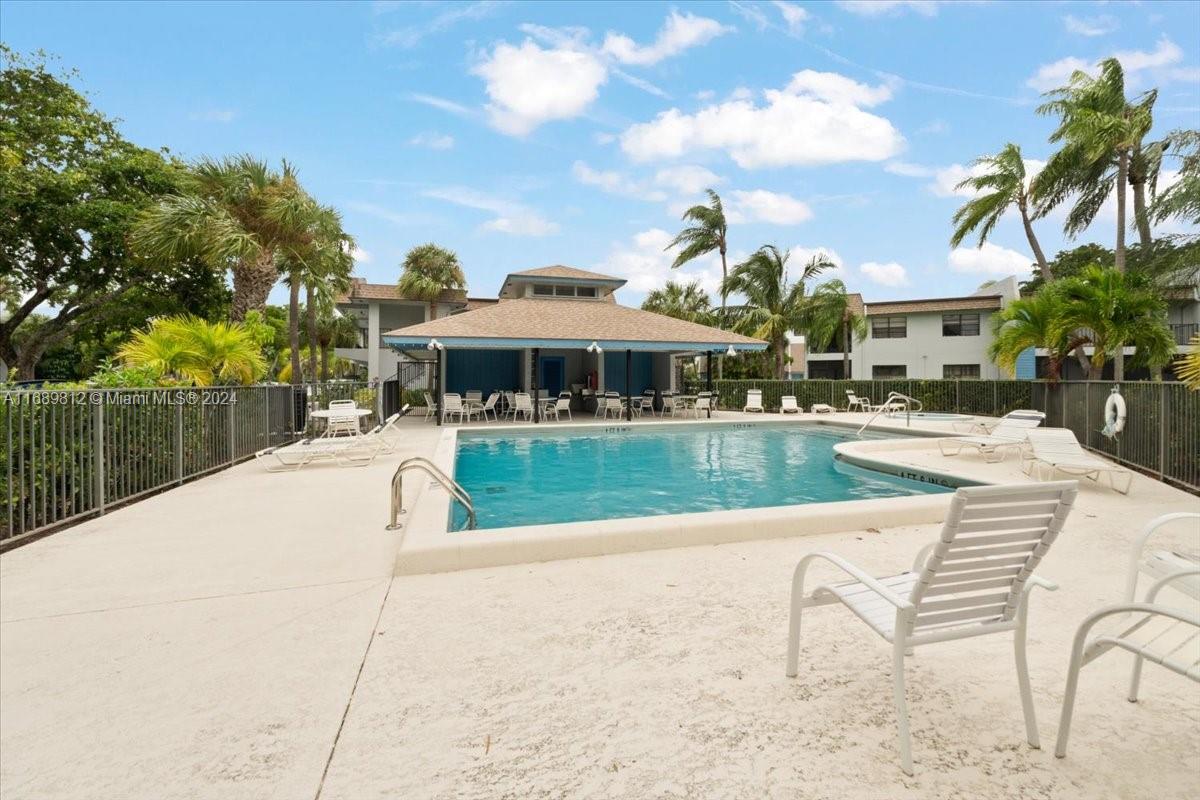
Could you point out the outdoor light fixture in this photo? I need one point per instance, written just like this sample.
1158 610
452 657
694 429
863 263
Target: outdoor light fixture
595 348
434 344
731 352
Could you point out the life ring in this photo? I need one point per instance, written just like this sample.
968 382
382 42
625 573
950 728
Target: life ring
1114 413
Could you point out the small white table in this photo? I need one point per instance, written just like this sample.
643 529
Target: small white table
326 413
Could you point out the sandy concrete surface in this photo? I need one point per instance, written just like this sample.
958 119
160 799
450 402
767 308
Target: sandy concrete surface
208 642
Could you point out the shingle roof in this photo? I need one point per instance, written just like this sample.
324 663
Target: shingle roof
855 304
533 319
361 290
973 303
560 271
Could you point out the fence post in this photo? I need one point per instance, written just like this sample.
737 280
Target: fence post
1087 413
995 398
1063 420
1162 430
957 395
179 443
230 405
98 453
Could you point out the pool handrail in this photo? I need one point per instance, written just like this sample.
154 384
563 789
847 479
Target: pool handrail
908 409
449 484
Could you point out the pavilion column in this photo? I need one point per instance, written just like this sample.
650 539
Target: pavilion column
629 385
438 398
708 380
535 389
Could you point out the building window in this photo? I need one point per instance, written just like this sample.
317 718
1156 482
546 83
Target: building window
543 291
960 324
586 291
889 327
960 371
362 337
884 371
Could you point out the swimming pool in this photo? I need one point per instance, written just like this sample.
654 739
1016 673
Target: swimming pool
518 479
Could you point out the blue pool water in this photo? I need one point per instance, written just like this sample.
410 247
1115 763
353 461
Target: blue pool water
540 478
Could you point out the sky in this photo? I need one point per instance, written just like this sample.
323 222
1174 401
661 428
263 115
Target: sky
526 134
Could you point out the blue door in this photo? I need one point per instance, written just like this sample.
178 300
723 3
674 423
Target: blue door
552 369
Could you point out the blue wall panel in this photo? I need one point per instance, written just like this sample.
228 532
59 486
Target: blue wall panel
641 371
486 370
1027 365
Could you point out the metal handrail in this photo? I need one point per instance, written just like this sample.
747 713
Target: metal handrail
908 401
449 484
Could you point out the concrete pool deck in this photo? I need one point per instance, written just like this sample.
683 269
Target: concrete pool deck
242 636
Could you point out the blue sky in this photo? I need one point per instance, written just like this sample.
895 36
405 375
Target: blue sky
527 134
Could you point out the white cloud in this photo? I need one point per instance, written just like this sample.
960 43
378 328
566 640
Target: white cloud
934 126
604 137
1091 26
510 217
646 264
750 13
432 140
907 169
683 179
794 16
395 217
614 182
529 85
704 95
878 8
686 178
760 205
679 32
889 274
813 121
1156 61
360 256
990 259
440 103
412 35
213 115
946 179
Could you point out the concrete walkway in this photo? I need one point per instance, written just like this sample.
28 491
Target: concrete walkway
242 637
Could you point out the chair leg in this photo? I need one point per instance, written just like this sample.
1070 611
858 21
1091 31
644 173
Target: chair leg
793 651
1031 731
1135 679
901 706
1068 708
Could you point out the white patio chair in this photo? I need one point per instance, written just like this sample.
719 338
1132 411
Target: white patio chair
704 405
787 405
336 404
1165 635
488 406
342 421
753 400
1009 433
853 401
1057 450
523 406
561 405
475 395
973 581
668 404
453 406
430 406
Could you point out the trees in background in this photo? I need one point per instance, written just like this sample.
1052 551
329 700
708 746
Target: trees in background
71 189
828 314
1182 199
1033 321
194 350
706 234
430 270
685 301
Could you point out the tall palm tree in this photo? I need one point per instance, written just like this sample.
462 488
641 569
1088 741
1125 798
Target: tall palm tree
205 353
1003 185
681 301
1115 309
235 213
1034 322
706 234
334 330
774 306
430 270
1182 199
829 313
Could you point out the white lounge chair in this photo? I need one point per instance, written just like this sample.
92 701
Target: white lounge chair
1161 563
452 406
1009 433
1164 634
853 401
753 400
1057 450
973 581
1028 415
350 451
787 405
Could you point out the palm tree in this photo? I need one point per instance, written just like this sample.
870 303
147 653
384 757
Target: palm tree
1000 187
1034 322
235 213
681 301
704 236
193 349
1114 309
334 330
774 307
1183 198
1188 366
430 270
829 313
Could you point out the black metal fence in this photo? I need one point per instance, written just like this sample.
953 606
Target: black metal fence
69 454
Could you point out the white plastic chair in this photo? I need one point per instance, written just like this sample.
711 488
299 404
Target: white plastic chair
787 405
430 406
561 405
453 405
753 400
1009 434
975 580
523 405
1165 635
984 428
488 406
668 404
853 401
704 404
1057 450
474 394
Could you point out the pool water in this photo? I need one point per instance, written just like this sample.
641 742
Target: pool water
533 479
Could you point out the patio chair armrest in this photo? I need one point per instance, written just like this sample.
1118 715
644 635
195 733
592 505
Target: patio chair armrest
1035 581
1135 554
858 574
1154 589
923 556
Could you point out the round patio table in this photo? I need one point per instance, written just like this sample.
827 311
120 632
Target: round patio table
326 413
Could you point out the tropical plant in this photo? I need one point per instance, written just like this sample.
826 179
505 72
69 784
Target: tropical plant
204 353
1002 185
1181 199
828 313
335 330
430 270
685 301
774 306
334 367
1033 321
1114 309
706 234
1187 368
